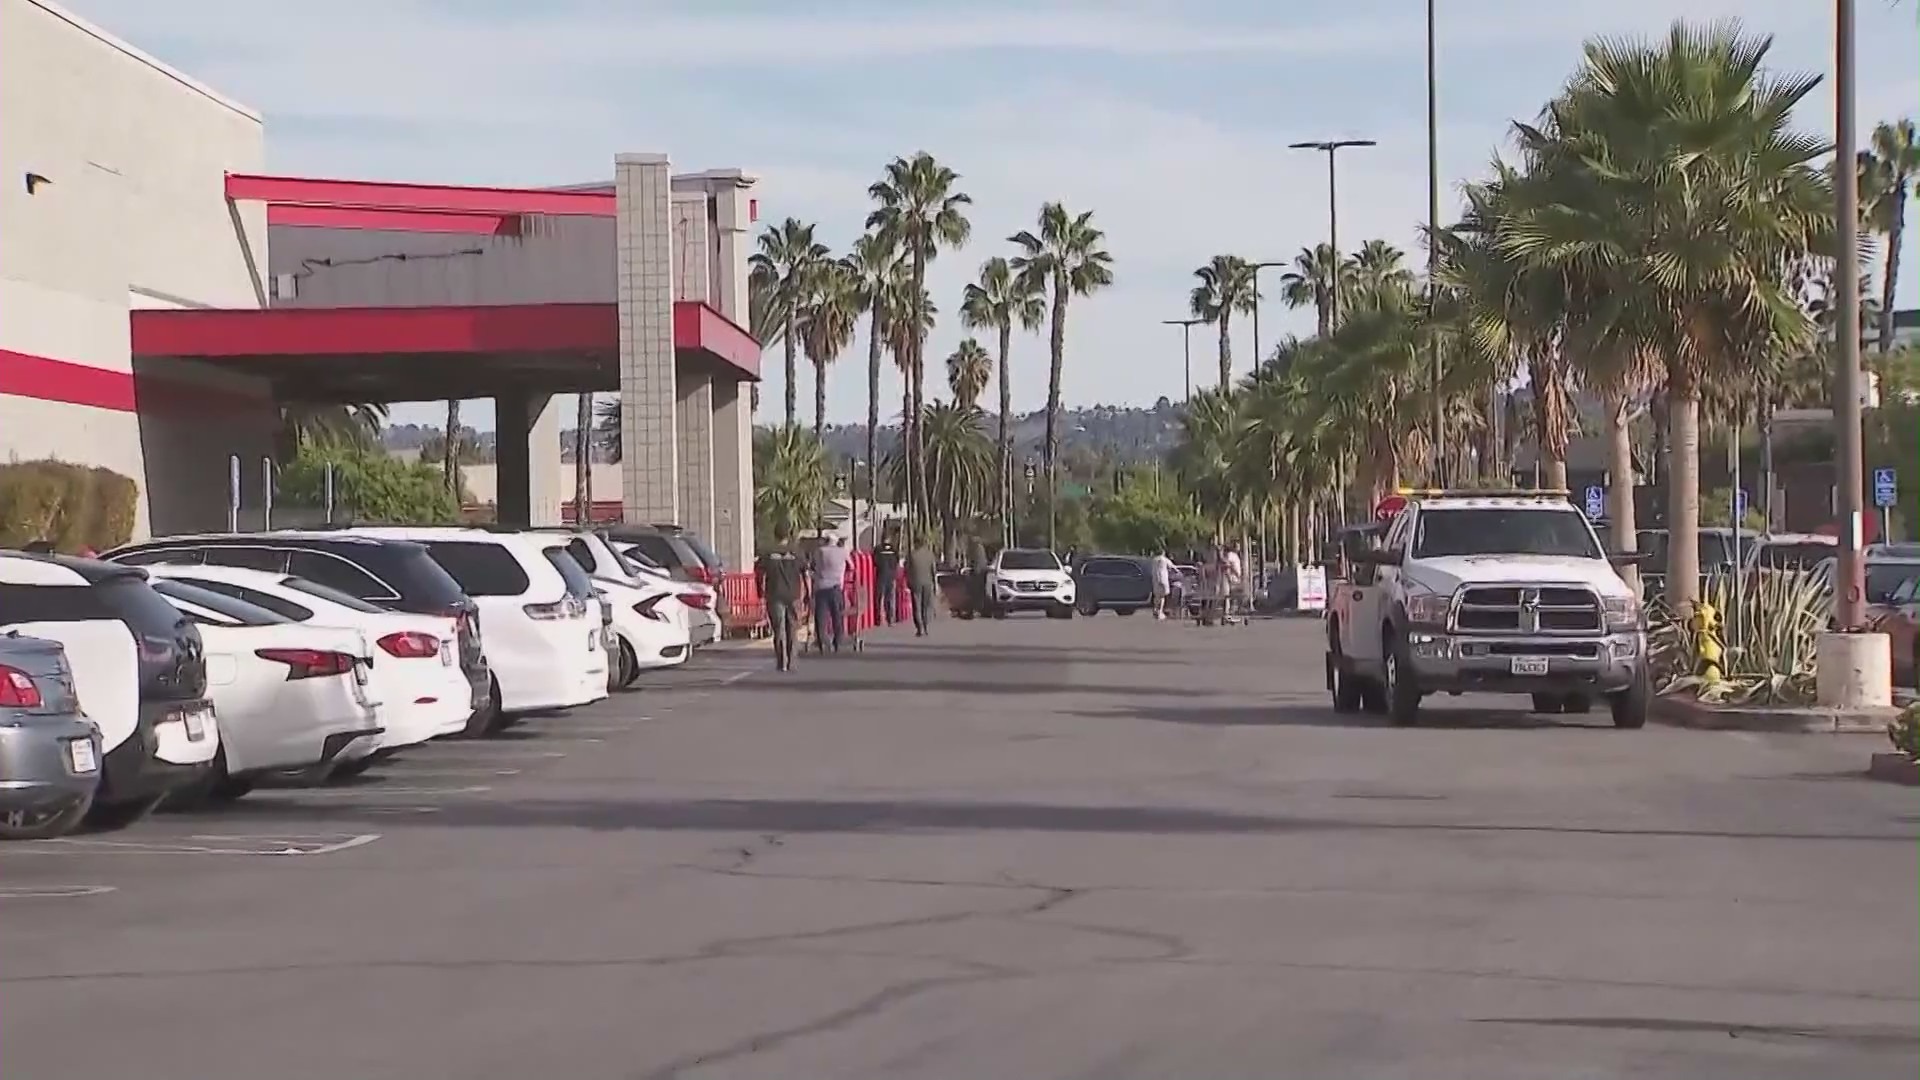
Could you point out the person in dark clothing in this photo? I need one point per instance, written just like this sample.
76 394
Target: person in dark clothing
886 571
920 579
781 575
977 577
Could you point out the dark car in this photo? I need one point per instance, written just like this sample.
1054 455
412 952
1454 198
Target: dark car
679 551
172 674
1120 583
716 566
395 575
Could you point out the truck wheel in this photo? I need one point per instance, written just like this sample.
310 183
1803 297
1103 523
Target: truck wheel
1403 687
1548 703
1341 683
1630 705
1373 697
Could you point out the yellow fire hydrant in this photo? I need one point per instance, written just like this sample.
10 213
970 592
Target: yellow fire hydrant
1705 624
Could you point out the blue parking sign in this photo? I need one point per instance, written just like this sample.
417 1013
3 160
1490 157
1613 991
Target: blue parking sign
1886 487
1596 501
1740 505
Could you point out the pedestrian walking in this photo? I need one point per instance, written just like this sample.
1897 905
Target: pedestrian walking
781 577
1233 583
1162 570
886 572
829 592
920 579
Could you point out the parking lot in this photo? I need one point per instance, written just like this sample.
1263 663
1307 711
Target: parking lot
1098 848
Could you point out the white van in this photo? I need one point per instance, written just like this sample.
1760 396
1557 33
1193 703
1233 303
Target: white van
543 641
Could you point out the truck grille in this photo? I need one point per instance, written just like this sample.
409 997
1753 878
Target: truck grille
1529 609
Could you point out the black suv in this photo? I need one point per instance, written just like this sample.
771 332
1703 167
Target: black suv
1122 583
396 575
172 673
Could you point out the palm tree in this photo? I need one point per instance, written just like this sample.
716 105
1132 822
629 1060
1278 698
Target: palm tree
826 322
876 272
606 433
968 370
1312 280
1695 195
308 424
793 482
999 301
958 463
921 211
1207 457
1066 258
904 331
1378 264
583 459
788 254
1895 159
450 461
1226 286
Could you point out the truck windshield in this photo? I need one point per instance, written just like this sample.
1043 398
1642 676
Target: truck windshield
1488 531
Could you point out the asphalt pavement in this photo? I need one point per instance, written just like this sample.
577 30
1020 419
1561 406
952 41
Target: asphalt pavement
1104 848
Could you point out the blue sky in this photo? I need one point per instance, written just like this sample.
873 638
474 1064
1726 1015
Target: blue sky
1168 120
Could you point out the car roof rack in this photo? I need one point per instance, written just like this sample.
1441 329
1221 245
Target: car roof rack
1484 493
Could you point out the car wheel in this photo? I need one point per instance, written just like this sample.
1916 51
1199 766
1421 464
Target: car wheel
109 816
44 822
1341 683
497 718
1630 706
1549 703
1125 611
1402 690
486 716
629 666
1089 607
347 770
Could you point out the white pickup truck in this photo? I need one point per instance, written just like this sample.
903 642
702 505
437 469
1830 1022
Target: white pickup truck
1477 591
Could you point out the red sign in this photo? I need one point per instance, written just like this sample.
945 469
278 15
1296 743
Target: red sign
1388 507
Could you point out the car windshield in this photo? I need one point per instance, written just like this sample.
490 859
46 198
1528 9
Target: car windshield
1887 581
1793 555
1028 559
239 611
1503 531
330 594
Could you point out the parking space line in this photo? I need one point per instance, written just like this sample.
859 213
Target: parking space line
378 790
268 844
55 892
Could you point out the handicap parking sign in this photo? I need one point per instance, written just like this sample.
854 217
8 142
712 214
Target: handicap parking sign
1886 487
1596 501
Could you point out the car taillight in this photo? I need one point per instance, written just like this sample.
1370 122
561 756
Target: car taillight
567 607
17 689
703 574
410 645
308 663
646 608
696 600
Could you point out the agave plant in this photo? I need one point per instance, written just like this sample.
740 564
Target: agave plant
1780 615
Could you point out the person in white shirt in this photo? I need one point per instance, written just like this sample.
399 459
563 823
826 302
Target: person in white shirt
1232 581
1162 582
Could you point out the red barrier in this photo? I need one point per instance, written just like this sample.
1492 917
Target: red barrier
746 611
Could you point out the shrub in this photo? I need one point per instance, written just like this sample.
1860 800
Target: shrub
1905 731
74 507
1780 616
369 486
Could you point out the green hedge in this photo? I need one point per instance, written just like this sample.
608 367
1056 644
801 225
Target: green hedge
73 506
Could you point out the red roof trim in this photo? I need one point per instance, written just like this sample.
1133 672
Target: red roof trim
46 379
699 326
385 219
366 194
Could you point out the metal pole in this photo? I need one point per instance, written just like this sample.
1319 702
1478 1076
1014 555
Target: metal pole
1256 319
1186 340
1850 591
233 493
266 494
326 487
1333 234
1433 250
1734 627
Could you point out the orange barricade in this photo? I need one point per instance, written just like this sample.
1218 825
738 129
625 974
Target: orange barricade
746 611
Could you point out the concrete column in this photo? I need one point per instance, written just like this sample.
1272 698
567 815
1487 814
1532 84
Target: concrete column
528 438
644 272
693 421
691 280
733 247
1853 671
733 473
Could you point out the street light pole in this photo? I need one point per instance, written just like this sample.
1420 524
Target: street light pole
1433 252
1332 148
1257 267
1850 609
1186 340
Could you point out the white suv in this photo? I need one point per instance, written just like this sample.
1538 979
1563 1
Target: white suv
543 638
1027 579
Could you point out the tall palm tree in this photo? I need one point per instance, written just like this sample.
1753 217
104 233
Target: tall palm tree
1066 258
876 271
999 301
450 461
1696 195
1226 286
788 254
310 424
922 210
793 481
958 463
969 369
583 459
1895 160
826 322
1378 264
1315 274
910 316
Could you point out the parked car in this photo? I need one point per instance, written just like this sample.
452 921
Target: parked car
670 547
702 601
649 619
1027 579
1118 583
545 644
49 750
139 668
291 697
393 575
414 674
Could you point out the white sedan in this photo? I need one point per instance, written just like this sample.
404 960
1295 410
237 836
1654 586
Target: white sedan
649 632
701 600
289 697
415 674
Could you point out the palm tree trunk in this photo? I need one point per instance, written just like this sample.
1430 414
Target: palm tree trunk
919 456
907 496
450 454
793 375
1624 531
922 476
875 328
1226 352
1662 413
819 400
1323 311
1765 424
1683 498
1550 422
1004 466
1057 348
1891 278
583 460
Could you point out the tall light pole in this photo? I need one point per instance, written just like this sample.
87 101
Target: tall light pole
1332 148
1186 339
1433 252
1257 267
1850 606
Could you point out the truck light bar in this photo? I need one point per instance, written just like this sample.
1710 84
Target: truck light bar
1484 493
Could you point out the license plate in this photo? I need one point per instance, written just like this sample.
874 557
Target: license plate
1529 665
81 756
446 654
360 672
196 723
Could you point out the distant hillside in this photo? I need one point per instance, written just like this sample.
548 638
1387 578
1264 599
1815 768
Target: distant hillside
1111 433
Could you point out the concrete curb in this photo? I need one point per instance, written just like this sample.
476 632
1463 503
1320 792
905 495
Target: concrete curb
1688 713
1895 769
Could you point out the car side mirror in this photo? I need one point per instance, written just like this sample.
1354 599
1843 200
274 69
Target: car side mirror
1629 558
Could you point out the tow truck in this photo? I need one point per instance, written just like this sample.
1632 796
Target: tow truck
1477 590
